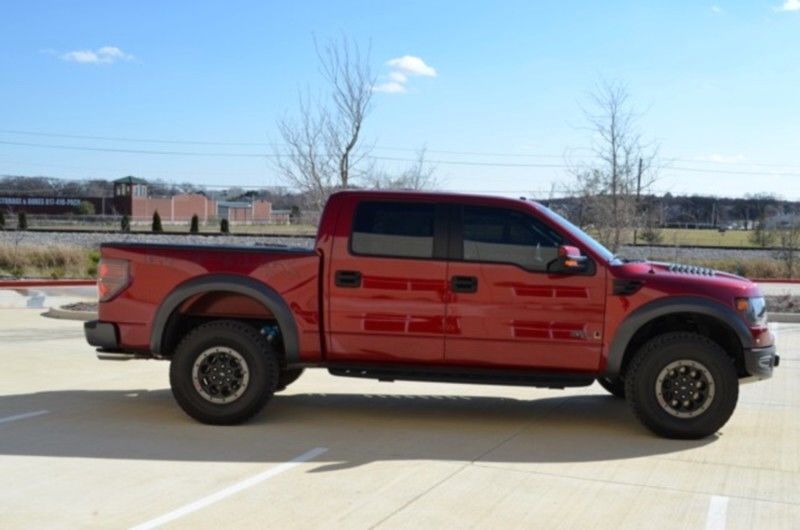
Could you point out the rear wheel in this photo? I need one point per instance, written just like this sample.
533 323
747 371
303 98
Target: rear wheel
614 385
223 372
682 385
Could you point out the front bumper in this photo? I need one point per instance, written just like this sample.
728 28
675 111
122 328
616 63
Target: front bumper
102 335
759 362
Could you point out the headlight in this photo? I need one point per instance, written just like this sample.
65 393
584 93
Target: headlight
753 309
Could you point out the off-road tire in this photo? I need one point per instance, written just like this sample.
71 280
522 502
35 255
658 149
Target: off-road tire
262 368
654 357
614 385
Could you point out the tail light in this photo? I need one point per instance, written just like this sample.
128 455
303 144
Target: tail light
112 277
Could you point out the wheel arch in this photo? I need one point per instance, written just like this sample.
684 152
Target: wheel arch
232 284
724 325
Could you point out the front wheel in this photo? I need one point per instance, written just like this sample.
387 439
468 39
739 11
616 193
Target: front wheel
223 372
682 385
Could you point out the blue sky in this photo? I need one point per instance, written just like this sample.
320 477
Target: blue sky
718 84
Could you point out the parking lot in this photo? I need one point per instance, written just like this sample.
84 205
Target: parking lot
102 444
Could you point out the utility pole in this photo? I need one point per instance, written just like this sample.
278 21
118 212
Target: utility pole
638 193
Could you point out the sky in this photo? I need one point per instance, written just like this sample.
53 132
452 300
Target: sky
494 90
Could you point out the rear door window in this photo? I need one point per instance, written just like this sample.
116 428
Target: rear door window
393 229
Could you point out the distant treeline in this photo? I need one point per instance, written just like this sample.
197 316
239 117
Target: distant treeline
697 211
690 211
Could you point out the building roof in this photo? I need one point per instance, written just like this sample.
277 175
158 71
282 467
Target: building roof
130 180
234 204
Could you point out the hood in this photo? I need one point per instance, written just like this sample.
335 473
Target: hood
687 279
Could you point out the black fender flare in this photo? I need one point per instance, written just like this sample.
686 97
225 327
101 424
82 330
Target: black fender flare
666 306
233 284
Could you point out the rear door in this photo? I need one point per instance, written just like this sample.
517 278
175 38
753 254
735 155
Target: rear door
387 283
505 308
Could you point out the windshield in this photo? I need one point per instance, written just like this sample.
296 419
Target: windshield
582 236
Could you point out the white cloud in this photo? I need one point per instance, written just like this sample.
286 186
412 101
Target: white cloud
716 9
398 77
789 5
390 87
103 55
401 69
723 159
412 65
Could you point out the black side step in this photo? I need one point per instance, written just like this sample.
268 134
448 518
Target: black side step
439 374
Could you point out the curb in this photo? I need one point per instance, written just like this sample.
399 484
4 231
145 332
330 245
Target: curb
786 318
14 284
66 314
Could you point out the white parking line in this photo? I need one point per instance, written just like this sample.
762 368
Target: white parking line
25 416
717 513
231 490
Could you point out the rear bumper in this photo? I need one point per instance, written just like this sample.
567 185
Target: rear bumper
102 335
759 362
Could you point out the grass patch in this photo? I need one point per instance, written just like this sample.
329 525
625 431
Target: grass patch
57 261
705 238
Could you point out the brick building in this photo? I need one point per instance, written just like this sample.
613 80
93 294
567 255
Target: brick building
131 197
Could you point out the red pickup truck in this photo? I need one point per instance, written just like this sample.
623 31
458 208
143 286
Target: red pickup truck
436 287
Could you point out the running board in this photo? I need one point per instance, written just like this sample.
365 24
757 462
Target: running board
116 356
439 374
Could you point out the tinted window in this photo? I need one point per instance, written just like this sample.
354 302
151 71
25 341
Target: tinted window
393 229
508 236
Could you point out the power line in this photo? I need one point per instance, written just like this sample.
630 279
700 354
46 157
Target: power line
381 158
263 155
262 144
128 139
377 147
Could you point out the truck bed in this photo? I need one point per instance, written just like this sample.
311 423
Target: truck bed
291 273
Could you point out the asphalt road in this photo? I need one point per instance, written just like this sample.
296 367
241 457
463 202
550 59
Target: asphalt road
85 443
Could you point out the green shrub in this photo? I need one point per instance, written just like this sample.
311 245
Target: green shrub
85 208
22 221
224 226
17 271
194 226
157 222
125 223
2 220
94 261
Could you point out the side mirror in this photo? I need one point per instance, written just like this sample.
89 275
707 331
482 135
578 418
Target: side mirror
571 259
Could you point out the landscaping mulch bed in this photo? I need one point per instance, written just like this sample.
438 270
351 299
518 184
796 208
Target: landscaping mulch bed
81 306
783 304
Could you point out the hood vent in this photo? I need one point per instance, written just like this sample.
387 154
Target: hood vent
624 287
690 269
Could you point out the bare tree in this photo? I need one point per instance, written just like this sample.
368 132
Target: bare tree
610 186
305 163
788 236
419 175
322 146
764 205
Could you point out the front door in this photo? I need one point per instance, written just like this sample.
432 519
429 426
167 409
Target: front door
506 309
387 287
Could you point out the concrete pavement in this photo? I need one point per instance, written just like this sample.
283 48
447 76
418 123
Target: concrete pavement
85 443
